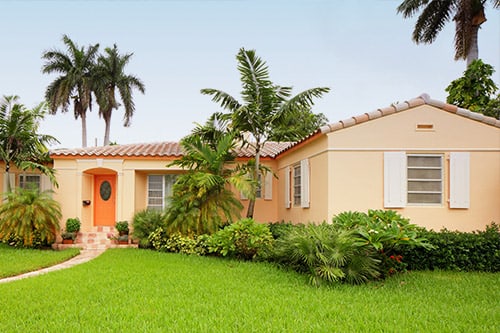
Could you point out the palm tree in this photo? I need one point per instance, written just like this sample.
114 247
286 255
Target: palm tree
202 200
75 80
265 106
30 215
467 14
109 76
20 143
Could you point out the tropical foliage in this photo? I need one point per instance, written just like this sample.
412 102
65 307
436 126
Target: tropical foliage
20 143
109 76
74 83
144 223
434 14
202 200
327 254
30 215
265 107
476 90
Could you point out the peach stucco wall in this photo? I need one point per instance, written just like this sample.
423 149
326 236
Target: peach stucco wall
356 165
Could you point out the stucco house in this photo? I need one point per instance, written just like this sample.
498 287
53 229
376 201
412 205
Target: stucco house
433 162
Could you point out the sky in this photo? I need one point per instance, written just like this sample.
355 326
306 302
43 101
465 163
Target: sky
361 49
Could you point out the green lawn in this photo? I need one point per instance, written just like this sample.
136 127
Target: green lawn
17 261
130 290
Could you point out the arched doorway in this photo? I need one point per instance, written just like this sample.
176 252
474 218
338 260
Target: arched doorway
104 199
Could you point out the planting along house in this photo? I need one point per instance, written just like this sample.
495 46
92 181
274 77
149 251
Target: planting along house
435 163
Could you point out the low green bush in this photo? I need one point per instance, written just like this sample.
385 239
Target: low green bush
327 254
243 239
162 241
280 229
144 223
454 250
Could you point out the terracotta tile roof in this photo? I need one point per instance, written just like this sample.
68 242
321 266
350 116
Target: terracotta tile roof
158 149
421 100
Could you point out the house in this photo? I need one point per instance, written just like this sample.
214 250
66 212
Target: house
433 162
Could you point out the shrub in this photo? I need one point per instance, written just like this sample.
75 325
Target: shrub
460 251
30 215
73 225
122 227
144 223
387 232
243 239
327 254
160 240
280 229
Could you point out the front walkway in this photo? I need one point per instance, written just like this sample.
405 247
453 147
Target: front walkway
84 256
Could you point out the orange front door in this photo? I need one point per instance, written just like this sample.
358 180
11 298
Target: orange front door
104 200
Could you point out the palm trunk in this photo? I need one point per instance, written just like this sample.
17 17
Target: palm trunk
83 115
255 177
107 128
473 53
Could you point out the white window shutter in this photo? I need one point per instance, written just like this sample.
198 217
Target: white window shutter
394 179
304 183
288 202
459 180
268 186
12 178
45 183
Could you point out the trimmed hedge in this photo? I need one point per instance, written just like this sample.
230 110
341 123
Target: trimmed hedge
459 251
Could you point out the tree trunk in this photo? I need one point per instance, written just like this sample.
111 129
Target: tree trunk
473 53
83 115
107 128
255 177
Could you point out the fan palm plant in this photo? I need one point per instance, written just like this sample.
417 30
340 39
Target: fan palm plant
110 76
30 214
75 81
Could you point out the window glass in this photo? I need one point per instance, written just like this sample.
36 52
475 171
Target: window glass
425 179
296 186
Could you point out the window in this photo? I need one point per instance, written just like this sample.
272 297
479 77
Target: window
418 179
425 179
159 189
264 189
258 190
29 181
297 185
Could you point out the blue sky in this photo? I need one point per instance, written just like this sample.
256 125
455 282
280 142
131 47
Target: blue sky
361 49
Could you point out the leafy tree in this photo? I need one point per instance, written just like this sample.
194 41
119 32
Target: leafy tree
30 215
202 201
74 82
109 76
265 106
475 90
434 14
298 126
20 143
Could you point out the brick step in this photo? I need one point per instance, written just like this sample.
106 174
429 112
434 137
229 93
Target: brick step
98 238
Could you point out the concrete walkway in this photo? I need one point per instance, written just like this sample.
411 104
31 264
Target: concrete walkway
84 256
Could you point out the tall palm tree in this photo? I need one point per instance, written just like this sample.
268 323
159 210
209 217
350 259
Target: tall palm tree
20 143
265 106
74 82
434 14
110 76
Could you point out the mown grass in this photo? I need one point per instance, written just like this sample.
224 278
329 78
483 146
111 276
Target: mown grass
15 261
129 290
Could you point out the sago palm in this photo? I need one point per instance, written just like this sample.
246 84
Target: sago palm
74 83
265 106
29 214
110 76
434 14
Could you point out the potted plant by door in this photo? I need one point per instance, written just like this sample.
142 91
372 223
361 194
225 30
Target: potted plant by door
72 228
122 228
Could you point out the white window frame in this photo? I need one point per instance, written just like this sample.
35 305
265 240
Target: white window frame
24 182
427 180
164 190
297 185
